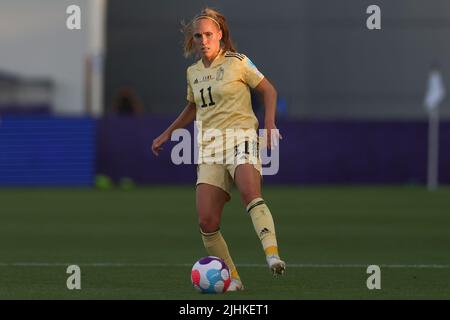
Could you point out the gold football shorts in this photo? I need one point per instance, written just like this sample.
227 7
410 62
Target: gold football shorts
222 174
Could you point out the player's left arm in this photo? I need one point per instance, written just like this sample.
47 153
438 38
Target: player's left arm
268 94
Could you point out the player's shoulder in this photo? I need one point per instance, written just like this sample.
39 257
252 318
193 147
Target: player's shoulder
239 60
193 66
235 56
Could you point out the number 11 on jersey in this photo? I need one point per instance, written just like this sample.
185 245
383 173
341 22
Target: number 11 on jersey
211 103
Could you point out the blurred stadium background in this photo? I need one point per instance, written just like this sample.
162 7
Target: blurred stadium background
80 108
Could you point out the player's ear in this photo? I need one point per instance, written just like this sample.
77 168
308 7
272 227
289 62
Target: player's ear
220 35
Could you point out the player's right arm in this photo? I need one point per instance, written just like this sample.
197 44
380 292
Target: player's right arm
185 117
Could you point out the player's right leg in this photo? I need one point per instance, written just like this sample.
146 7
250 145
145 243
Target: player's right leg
210 202
248 181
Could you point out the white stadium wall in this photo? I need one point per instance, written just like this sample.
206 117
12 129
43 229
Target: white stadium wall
35 43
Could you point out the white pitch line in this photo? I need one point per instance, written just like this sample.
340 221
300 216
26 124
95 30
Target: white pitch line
249 265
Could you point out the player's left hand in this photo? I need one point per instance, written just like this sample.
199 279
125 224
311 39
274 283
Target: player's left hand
158 142
272 135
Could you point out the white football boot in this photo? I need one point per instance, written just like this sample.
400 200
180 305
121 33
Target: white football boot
235 285
277 266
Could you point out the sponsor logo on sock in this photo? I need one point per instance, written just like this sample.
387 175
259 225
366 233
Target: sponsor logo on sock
264 231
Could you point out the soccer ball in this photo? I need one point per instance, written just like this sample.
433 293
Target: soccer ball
210 275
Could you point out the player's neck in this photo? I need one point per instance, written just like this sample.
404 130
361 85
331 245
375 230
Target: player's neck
208 62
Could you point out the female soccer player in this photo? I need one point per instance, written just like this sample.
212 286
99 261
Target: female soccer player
218 94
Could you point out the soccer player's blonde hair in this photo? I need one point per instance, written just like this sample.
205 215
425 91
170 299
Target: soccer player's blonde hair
226 43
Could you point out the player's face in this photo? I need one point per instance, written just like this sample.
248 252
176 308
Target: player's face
207 38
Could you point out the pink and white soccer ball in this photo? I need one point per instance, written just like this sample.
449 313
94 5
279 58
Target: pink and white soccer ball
210 275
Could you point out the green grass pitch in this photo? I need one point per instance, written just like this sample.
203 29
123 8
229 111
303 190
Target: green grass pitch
141 243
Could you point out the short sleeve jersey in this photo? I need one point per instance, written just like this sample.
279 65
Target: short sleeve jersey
221 92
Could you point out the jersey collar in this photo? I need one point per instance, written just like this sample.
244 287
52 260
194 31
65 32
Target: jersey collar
216 60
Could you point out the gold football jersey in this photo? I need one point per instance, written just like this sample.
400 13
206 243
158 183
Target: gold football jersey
221 92
222 97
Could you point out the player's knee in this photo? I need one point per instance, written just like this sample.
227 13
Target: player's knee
209 224
249 196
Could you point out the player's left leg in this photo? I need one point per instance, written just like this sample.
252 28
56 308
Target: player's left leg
248 182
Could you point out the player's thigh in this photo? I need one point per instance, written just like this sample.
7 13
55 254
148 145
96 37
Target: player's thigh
248 181
210 203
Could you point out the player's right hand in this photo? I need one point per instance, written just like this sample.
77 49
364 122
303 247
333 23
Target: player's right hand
158 142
